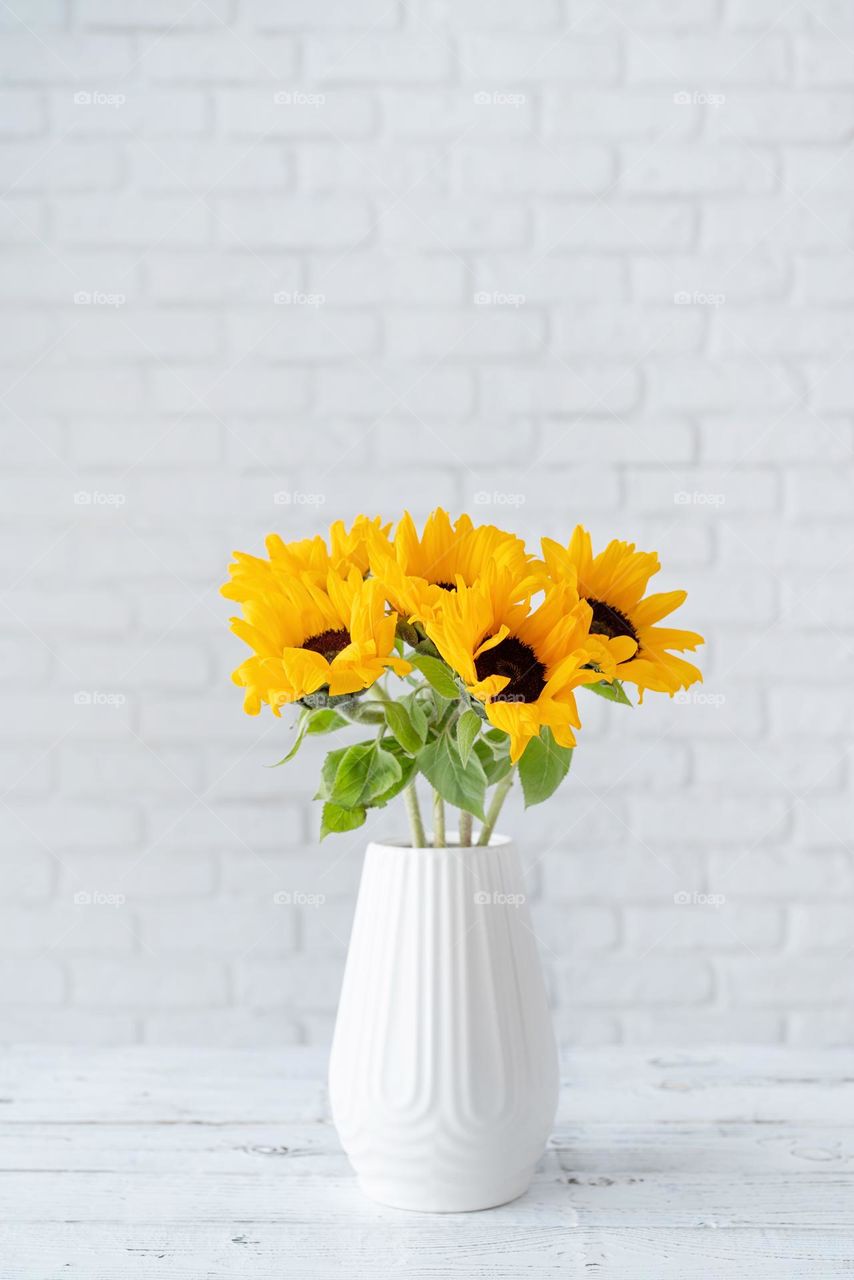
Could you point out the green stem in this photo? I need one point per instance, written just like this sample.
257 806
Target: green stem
499 795
413 809
465 829
438 821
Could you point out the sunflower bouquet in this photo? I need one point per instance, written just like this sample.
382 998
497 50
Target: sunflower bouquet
487 642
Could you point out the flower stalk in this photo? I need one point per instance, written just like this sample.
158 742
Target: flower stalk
416 824
465 829
438 821
498 797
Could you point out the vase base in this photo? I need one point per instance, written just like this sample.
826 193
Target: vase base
470 1199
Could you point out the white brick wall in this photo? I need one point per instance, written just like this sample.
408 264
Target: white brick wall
584 165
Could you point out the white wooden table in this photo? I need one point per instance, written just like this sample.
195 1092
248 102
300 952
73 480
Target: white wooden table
156 1163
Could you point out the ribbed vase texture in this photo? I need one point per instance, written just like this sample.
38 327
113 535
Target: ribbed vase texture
444 1073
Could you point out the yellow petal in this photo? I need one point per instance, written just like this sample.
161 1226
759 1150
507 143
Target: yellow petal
501 634
487 688
305 671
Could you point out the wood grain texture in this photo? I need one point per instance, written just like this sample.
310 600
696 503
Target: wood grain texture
179 1163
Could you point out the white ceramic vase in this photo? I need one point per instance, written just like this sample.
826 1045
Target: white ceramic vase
444 1074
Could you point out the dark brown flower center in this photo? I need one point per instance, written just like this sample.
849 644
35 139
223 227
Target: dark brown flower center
446 586
517 661
328 643
608 621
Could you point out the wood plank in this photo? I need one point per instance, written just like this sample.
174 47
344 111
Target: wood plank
148 1083
595 1150
806 1200
421 1247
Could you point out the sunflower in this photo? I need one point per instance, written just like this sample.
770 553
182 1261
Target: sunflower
419 573
350 546
253 577
524 664
614 584
306 637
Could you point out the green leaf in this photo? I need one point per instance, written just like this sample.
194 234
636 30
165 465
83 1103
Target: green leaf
302 729
461 784
612 690
336 818
365 771
403 727
408 769
417 715
325 720
468 727
543 767
328 772
495 766
436 674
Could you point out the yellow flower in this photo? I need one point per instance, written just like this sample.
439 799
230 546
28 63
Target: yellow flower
614 584
420 572
523 664
351 546
306 637
254 578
